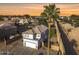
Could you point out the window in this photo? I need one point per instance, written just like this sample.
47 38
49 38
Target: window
38 35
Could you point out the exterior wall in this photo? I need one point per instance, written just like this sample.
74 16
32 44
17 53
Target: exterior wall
31 41
29 36
44 35
31 45
38 36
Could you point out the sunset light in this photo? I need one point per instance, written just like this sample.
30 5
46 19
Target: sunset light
36 9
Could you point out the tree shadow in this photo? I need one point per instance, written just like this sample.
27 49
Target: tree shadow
69 50
74 43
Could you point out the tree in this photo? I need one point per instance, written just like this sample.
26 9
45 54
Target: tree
65 19
27 16
51 13
43 21
74 20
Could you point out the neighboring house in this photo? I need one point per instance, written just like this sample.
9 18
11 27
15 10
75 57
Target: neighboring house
5 19
21 21
7 30
32 20
26 21
21 24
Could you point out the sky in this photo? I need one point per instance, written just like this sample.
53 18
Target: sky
36 9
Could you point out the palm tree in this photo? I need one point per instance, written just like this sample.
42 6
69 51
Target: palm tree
50 12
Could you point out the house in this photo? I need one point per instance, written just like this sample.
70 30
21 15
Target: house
29 39
37 32
6 30
22 25
32 37
5 18
23 21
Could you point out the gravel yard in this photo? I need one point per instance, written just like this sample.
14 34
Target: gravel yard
17 48
73 35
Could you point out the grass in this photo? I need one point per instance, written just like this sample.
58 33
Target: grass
52 33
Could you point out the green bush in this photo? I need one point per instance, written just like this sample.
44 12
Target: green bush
52 32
